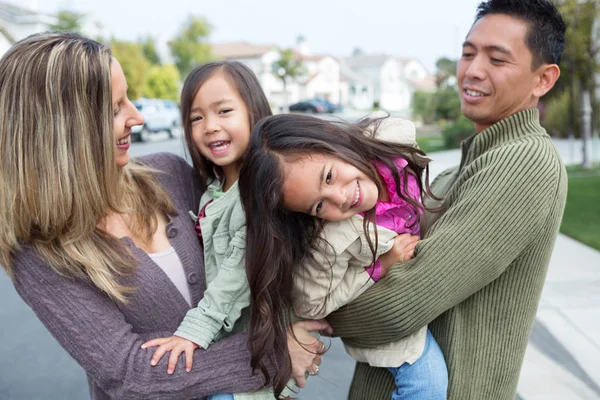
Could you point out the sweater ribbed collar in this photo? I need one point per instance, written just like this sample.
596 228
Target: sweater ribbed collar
522 124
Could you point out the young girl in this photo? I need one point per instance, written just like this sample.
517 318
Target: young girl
221 101
325 204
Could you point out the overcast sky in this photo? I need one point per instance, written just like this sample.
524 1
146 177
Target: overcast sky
424 29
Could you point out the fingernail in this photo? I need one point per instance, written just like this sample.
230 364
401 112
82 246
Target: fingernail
152 362
170 371
188 369
143 346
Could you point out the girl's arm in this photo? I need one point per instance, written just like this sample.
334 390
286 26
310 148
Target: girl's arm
338 276
329 283
96 334
224 299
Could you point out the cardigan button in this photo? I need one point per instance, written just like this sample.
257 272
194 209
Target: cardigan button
172 232
192 278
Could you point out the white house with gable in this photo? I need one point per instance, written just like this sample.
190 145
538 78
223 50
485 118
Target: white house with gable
321 78
384 73
260 59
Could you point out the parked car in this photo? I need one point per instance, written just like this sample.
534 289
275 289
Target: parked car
308 106
159 115
316 105
328 106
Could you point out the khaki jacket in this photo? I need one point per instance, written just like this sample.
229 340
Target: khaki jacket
338 275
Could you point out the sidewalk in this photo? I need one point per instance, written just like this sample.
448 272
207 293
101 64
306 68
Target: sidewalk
563 357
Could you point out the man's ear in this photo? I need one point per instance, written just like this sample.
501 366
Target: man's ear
547 76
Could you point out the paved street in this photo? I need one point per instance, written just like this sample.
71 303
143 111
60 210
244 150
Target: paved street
561 362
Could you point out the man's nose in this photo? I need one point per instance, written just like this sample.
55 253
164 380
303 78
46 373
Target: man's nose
476 68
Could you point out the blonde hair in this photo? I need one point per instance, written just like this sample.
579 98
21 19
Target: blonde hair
58 173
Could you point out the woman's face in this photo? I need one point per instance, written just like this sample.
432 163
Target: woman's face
125 115
327 187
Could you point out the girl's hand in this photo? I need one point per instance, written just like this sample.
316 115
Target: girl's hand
403 250
176 345
306 350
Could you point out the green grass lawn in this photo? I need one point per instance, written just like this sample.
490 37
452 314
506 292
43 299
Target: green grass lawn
582 212
431 143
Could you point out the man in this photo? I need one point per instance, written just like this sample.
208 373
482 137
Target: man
477 276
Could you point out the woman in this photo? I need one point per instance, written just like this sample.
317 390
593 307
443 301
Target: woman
86 233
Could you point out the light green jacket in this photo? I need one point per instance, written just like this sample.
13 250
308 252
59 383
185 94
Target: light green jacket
224 309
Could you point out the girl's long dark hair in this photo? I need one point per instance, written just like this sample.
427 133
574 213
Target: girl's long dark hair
243 80
277 240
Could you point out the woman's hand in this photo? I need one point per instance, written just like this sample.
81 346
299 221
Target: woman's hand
403 250
176 345
306 350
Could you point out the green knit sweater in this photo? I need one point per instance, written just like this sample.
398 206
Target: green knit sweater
477 277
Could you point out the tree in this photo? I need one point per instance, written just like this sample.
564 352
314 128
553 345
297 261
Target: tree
446 72
68 21
423 106
162 82
134 64
149 49
190 48
287 68
447 104
579 65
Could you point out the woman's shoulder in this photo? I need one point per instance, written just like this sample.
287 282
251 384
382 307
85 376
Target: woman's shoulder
175 175
163 161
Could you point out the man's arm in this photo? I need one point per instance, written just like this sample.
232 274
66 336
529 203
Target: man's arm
495 214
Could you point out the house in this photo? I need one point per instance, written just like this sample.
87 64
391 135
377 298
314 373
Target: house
19 21
356 91
361 81
321 78
417 75
390 89
260 59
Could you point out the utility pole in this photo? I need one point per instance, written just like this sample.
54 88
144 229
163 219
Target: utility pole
586 129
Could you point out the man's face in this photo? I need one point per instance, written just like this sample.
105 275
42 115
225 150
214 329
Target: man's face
495 79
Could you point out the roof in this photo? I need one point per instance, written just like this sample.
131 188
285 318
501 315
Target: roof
350 75
428 84
241 49
367 60
312 57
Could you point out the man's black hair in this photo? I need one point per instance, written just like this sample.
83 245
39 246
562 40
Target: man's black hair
546 33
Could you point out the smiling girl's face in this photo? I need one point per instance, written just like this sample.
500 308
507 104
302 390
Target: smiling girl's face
326 187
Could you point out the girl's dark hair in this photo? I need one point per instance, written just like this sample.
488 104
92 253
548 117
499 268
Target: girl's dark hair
277 240
243 80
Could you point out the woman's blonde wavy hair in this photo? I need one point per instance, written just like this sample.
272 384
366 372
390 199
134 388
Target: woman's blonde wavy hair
58 174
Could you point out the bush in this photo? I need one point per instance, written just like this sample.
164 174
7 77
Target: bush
423 106
556 115
456 132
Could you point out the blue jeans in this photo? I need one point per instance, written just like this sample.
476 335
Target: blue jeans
221 396
426 379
